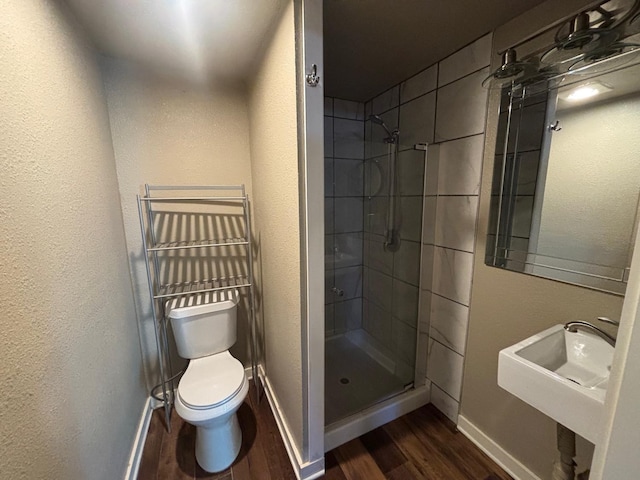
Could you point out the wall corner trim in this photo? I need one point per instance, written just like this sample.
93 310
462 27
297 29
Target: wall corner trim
303 471
498 454
137 448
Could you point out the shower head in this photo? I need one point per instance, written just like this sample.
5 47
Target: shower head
378 120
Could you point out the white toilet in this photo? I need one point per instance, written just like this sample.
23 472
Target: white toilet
214 385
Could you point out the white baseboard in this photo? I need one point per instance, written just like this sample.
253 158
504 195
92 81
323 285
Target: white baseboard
498 454
373 417
138 444
302 470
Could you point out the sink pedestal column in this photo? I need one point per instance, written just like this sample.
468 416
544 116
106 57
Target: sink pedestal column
564 467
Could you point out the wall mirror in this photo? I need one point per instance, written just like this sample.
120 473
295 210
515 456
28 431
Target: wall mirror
566 181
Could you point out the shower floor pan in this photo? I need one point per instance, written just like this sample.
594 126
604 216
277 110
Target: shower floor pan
360 394
354 380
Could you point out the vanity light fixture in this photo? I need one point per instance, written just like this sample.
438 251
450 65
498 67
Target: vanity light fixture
584 91
593 41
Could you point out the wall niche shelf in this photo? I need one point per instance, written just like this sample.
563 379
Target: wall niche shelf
196 242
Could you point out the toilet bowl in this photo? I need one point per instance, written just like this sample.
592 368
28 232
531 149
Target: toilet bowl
214 384
209 394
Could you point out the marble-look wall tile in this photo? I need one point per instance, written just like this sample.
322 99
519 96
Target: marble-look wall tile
348 177
432 169
405 302
443 402
462 107
426 274
467 60
328 177
348 214
376 178
381 290
406 262
444 368
416 120
419 84
379 259
329 282
328 320
378 324
328 251
348 138
456 222
411 218
429 220
410 167
328 215
424 320
452 272
328 136
348 109
449 321
460 166
404 341
386 101
376 215
328 106
423 333
349 280
347 249
365 285
348 315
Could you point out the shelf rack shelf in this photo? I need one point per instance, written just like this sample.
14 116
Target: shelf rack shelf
214 201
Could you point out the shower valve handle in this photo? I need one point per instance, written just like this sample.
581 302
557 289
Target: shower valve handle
338 291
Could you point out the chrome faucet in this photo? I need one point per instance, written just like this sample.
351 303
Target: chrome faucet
574 325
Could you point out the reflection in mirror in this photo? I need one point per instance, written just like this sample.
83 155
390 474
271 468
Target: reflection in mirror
566 178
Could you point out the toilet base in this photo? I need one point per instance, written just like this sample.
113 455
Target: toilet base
218 447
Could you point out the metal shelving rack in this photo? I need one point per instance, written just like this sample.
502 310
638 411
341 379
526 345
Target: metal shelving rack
210 199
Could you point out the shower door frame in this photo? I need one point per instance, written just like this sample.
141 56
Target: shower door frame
310 96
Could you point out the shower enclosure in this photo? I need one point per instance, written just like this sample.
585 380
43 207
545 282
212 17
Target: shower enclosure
373 227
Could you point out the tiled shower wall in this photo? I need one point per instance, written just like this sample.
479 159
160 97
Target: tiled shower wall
392 278
444 105
344 184
451 207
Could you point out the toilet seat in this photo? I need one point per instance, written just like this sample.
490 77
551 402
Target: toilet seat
211 381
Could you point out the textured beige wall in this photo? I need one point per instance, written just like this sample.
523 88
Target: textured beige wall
507 307
172 133
72 381
274 164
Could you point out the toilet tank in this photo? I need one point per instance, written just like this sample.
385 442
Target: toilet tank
204 324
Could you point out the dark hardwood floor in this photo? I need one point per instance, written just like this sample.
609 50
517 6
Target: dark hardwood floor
421 445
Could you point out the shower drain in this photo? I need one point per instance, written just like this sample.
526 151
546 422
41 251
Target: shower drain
344 380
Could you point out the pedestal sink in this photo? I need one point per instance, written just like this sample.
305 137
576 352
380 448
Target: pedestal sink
562 374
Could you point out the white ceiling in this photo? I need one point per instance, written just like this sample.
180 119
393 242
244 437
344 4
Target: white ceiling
370 45
203 40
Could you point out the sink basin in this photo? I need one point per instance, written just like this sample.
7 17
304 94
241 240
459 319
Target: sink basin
562 374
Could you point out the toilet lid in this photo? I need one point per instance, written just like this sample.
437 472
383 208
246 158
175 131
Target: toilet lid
210 381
